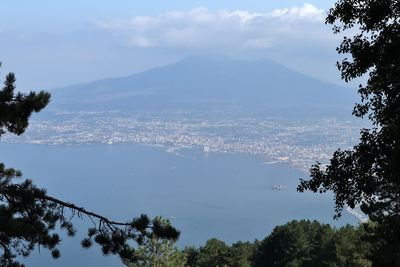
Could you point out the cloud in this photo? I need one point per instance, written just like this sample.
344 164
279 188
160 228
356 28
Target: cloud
307 11
224 29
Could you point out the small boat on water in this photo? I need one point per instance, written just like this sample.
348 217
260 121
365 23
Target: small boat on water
279 187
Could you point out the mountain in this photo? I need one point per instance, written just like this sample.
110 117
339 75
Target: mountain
205 81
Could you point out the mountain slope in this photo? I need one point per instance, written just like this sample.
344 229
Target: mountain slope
203 81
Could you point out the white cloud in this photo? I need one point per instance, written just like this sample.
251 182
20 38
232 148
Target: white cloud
200 28
307 11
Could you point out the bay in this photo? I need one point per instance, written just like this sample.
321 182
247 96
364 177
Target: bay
205 195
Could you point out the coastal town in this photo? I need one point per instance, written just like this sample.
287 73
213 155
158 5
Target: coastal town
296 142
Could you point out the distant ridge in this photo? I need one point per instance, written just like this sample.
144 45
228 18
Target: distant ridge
200 81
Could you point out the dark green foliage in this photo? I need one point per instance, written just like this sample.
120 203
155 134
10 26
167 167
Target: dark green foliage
295 244
215 253
29 217
240 254
15 109
26 220
348 247
369 174
191 253
306 243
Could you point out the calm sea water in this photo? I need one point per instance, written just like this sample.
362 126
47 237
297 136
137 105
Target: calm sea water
227 196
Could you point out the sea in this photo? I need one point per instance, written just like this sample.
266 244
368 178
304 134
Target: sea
203 194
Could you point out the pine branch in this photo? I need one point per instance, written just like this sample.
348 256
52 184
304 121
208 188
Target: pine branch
82 210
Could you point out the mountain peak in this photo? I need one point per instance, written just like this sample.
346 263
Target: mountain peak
203 80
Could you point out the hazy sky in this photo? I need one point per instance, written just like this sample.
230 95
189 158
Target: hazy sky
50 43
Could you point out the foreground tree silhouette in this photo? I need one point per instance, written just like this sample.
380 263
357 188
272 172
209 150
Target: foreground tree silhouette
369 173
29 217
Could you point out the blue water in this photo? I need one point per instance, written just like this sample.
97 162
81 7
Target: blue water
227 196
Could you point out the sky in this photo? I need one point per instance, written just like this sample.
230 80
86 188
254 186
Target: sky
50 44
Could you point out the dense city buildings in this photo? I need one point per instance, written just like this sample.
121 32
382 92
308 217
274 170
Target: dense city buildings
296 142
